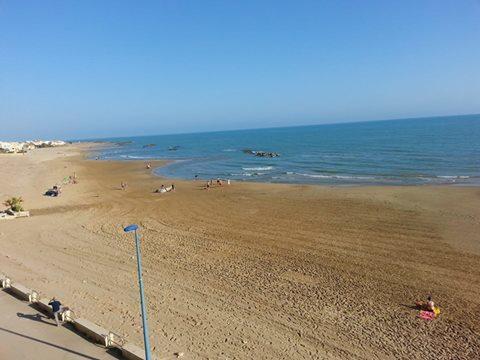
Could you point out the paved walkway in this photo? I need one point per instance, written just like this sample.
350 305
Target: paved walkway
27 334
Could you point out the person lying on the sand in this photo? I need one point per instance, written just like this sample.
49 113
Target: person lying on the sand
55 191
428 309
161 190
429 305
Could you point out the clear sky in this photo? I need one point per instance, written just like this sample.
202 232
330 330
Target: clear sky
76 69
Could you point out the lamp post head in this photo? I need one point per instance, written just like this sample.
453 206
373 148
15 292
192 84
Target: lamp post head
132 227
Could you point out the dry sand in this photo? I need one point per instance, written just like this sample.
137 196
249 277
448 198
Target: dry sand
250 271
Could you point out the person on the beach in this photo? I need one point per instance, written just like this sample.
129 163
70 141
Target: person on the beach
207 186
56 308
172 188
161 190
196 177
123 185
429 305
149 166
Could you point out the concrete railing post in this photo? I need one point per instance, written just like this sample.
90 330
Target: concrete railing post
33 297
6 282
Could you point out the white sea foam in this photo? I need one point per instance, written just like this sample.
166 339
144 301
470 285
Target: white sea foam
248 174
260 168
317 176
453 177
136 157
341 177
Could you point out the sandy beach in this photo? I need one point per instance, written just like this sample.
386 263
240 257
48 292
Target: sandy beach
250 271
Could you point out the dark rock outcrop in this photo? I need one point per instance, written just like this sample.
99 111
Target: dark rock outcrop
269 154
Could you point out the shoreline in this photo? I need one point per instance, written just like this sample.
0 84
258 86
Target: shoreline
277 271
167 162
340 180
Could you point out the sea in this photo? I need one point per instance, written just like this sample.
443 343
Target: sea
436 150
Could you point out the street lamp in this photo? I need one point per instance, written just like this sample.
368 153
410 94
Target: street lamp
146 340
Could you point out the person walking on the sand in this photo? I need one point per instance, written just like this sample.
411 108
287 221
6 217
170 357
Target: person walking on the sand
56 307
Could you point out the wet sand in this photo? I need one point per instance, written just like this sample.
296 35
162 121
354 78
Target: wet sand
250 270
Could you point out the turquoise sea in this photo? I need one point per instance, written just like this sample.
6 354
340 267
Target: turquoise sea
437 150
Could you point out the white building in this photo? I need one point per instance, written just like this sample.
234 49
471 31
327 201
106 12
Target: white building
15 147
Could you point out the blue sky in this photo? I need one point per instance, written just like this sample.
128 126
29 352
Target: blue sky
75 69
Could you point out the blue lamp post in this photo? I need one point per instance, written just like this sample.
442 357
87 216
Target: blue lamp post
146 340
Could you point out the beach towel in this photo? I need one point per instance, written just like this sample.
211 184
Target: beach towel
426 315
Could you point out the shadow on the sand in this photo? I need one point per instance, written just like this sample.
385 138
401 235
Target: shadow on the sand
35 317
412 307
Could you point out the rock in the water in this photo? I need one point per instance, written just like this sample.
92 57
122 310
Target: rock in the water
266 154
123 143
269 154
